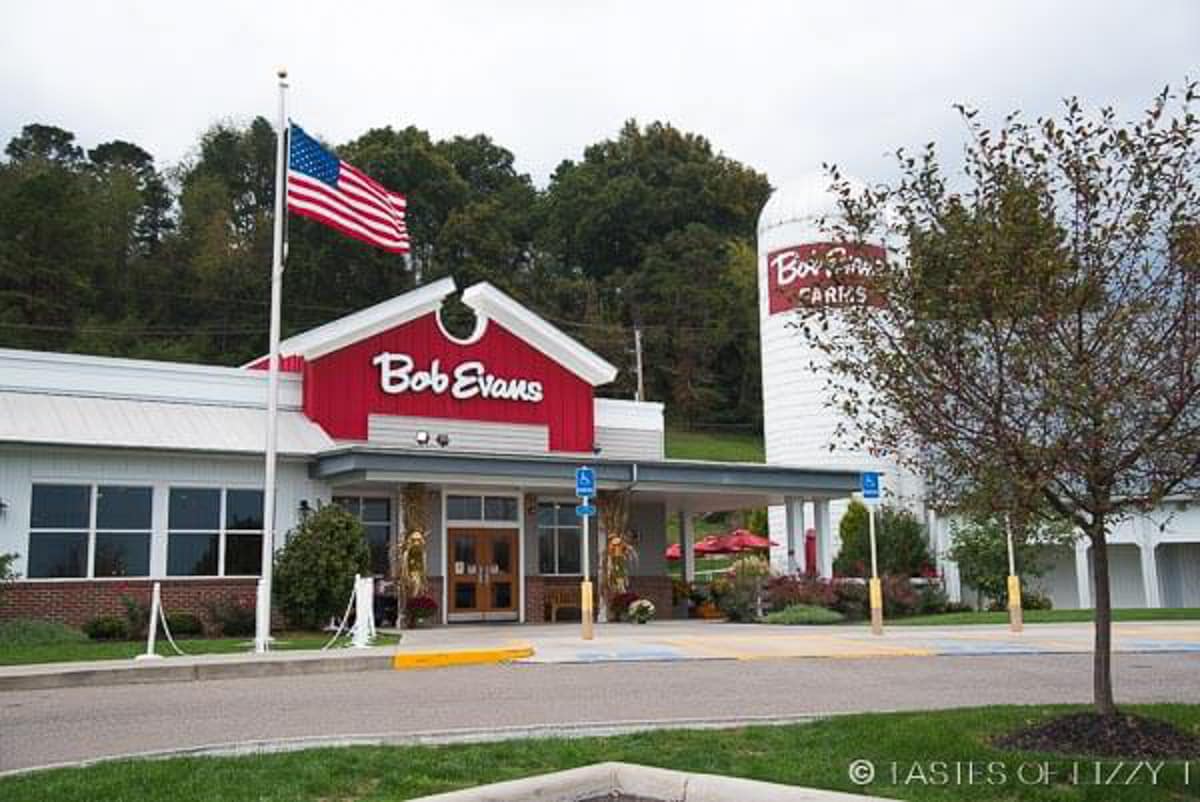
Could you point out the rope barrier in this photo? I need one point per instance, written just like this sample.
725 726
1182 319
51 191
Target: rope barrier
345 618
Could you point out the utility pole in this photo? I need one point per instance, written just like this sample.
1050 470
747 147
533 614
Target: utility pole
637 347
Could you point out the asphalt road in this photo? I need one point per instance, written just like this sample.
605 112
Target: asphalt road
47 727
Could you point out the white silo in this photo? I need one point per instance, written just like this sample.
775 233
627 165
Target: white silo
799 423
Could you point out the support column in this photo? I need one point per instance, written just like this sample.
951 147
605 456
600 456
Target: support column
823 523
794 512
1150 573
687 541
1083 573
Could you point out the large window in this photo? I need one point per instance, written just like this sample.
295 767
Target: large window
89 531
376 516
559 539
214 532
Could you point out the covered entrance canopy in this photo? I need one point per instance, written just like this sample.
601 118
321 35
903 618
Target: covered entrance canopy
532 568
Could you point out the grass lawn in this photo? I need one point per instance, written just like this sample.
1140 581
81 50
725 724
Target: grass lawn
718 446
11 655
815 755
1050 617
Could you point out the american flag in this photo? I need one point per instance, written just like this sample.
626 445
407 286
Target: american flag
325 188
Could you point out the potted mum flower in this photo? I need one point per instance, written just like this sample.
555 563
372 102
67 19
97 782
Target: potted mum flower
641 611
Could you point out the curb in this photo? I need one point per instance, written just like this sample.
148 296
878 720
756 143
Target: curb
141 674
410 661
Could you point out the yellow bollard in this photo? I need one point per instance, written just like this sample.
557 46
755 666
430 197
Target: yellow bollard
1016 620
585 607
876 606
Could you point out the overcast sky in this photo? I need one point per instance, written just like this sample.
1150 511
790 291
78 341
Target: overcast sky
779 86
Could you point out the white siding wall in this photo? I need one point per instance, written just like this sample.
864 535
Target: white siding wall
20 468
1179 574
465 436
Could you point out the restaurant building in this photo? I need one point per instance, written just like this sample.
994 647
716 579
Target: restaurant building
115 473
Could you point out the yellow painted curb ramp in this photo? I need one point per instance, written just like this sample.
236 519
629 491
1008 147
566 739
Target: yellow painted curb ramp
407 661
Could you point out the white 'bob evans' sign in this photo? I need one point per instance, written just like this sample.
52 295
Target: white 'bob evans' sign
398 374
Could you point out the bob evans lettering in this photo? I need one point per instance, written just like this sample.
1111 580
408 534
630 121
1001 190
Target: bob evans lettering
801 275
398 374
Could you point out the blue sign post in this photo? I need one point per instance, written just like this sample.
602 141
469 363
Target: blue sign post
585 488
870 494
585 482
870 486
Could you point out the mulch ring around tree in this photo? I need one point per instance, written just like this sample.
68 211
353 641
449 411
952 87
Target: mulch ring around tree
1121 735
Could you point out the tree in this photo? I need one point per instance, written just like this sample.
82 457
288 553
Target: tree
979 546
900 543
314 572
1045 325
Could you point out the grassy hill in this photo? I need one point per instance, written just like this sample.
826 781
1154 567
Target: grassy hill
717 446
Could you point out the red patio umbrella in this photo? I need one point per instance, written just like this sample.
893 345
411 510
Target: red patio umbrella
745 540
674 552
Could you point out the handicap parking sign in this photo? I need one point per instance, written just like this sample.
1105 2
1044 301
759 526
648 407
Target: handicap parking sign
870 486
585 482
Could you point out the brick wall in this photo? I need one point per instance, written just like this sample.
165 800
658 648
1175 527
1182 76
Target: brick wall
76 602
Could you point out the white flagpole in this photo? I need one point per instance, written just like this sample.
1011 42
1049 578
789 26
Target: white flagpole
262 617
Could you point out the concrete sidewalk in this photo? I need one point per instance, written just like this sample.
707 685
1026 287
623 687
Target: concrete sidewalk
655 642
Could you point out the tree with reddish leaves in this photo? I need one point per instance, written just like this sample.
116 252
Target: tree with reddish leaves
1039 346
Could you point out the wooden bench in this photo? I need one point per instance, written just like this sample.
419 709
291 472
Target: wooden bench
558 598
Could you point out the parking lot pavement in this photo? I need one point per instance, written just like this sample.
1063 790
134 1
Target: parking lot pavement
38 728
702 640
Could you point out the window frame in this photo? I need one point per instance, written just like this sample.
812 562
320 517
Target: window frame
392 520
222 531
481 522
556 527
91 531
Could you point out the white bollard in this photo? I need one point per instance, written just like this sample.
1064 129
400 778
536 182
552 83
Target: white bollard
152 628
262 612
364 611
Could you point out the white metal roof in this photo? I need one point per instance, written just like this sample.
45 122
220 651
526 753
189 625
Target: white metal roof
40 418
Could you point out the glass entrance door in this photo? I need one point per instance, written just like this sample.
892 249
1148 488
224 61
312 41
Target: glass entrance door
483 575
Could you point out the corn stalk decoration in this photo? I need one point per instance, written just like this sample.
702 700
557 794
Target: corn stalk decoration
408 552
619 554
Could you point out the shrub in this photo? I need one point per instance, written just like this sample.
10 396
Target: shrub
137 616
36 632
958 607
931 600
743 600
980 547
314 572
899 597
804 615
7 574
232 619
900 540
419 608
681 591
184 625
1030 600
107 627
618 606
641 611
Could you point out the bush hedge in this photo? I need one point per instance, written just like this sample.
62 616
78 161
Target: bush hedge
231 618
184 625
314 572
36 632
804 615
107 627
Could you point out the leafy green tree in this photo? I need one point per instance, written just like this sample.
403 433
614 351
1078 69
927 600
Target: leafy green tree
46 143
1043 327
980 547
314 572
900 543
660 224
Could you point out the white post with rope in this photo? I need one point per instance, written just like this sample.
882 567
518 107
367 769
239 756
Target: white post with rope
152 628
364 612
